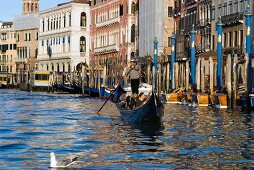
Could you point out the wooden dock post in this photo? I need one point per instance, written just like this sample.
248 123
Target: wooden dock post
148 73
164 82
203 75
176 75
229 81
167 77
198 74
187 75
83 79
211 74
246 76
159 79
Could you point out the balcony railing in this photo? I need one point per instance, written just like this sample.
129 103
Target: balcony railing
3 61
232 18
106 49
54 56
22 60
108 22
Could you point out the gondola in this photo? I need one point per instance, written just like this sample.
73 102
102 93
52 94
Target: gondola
151 110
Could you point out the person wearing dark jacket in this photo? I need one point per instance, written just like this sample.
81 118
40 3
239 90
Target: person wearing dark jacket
141 99
134 73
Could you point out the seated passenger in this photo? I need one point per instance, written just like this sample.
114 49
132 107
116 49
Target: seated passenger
131 101
141 99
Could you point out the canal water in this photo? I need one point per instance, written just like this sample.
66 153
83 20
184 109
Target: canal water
34 124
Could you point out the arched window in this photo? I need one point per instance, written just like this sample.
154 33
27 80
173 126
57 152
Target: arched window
69 67
63 67
52 67
82 44
133 7
58 68
133 33
83 19
47 67
64 21
132 54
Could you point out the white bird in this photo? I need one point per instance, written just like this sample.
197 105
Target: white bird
61 163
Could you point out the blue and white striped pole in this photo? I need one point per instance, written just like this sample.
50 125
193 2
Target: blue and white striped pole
219 54
173 56
248 17
155 60
193 57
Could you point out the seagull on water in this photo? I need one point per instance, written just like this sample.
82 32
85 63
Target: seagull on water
61 163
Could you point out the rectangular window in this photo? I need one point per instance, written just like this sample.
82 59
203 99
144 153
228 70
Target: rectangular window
121 10
219 10
230 39
225 40
241 6
230 8
213 42
14 46
236 39
241 38
170 11
236 6
169 41
213 13
225 12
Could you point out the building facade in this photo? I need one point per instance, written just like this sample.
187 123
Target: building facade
64 37
8 55
26 28
155 20
234 31
113 31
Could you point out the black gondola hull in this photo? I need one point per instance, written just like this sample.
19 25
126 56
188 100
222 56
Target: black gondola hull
151 110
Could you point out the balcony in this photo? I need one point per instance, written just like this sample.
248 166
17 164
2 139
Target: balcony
22 60
232 19
3 62
108 22
204 22
55 31
106 49
54 56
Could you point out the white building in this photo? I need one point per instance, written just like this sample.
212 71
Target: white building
64 37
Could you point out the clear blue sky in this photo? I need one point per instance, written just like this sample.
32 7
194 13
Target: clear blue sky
11 8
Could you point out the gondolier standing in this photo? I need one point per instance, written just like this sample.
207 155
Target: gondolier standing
133 71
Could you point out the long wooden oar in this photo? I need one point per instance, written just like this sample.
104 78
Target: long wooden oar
107 100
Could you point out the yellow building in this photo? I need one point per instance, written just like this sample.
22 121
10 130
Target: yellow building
8 54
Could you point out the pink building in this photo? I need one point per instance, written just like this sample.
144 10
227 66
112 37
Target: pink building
113 31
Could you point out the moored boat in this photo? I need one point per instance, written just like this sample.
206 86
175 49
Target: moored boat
220 100
203 99
174 97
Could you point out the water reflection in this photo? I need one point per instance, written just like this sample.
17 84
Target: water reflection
34 124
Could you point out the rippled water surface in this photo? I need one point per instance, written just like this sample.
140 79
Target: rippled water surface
34 124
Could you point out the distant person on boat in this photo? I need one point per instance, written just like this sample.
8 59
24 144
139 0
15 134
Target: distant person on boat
141 99
133 71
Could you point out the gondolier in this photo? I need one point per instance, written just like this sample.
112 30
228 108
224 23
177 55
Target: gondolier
133 71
